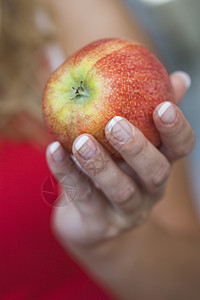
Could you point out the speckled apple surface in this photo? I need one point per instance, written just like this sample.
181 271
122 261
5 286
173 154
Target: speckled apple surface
106 78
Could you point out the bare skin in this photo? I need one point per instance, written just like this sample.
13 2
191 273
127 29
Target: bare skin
144 248
106 239
81 22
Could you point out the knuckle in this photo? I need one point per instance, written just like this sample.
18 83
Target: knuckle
142 217
180 140
182 129
124 194
185 146
161 175
176 130
189 145
138 145
97 165
85 193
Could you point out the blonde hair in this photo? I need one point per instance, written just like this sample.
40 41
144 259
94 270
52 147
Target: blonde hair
24 67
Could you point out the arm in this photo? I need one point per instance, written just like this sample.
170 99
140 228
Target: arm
81 22
154 261
147 263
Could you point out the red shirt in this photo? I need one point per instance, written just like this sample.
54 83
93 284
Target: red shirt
33 265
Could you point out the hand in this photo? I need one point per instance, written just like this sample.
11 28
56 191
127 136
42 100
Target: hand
99 226
113 197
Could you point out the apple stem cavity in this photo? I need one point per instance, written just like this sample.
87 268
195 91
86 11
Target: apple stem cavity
79 91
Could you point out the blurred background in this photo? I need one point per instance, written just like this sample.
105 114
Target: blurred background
174 26
35 38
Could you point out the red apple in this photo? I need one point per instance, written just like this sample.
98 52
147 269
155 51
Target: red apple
107 78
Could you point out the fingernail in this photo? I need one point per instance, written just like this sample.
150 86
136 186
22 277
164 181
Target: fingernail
167 113
85 147
57 152
120 129
186 77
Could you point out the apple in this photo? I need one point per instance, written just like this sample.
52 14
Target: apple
107 78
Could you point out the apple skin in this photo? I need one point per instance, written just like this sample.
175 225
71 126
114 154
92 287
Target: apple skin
107 78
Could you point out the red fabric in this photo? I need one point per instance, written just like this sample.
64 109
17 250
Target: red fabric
32 263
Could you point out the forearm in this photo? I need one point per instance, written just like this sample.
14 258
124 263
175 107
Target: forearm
151 265
80 22
177 203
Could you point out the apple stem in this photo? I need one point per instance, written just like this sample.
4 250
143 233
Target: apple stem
78 91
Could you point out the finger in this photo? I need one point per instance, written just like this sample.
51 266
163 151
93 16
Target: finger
87 219
181 82
117 186
176 133
149 163
78 188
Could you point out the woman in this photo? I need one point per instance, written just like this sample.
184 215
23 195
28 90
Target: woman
34 265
